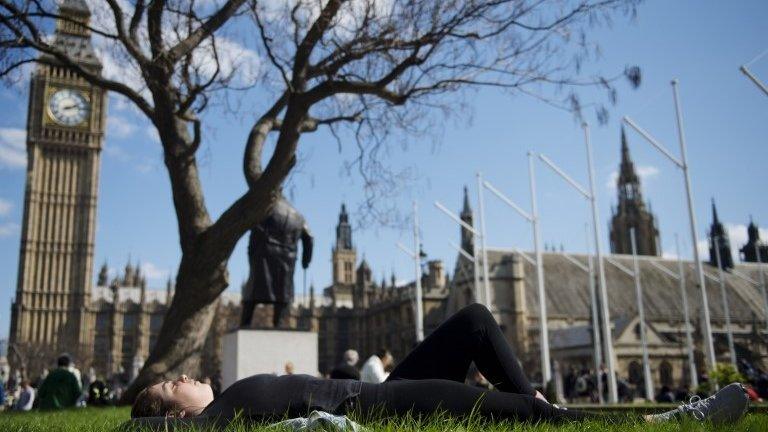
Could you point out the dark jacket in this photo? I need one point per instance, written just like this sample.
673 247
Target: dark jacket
345 371
60 389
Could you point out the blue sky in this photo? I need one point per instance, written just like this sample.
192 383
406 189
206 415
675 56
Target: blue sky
702 43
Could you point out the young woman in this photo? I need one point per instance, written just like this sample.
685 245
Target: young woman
429 379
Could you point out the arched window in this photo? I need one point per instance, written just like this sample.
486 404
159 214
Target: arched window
665 373
635 373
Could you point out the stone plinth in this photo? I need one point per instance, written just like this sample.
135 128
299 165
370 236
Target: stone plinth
249 352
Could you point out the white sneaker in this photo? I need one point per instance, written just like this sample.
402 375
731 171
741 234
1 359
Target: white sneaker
726 406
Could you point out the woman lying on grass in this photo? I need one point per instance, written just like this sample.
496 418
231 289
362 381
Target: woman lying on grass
429 379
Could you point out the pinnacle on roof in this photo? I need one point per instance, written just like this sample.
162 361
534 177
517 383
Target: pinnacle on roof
752 231
364 265
343 216
466 209
715 219
627 172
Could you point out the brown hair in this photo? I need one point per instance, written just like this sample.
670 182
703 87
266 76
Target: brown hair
149 404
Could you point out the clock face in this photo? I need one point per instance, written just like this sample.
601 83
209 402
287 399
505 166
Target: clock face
68 107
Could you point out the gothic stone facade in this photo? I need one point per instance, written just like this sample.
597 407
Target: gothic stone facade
128 317
357 313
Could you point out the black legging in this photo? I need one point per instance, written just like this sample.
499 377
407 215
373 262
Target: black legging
431 377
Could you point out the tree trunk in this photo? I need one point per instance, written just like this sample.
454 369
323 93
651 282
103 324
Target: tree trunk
185 326
206 248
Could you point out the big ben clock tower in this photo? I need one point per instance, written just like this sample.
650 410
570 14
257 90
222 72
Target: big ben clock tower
65 128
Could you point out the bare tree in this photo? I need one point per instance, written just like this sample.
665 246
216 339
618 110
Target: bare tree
373 66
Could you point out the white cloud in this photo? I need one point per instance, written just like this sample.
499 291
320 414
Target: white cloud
8 228
645 172
669 255
703 247
5 207
13 153
119 127
153 272
115 151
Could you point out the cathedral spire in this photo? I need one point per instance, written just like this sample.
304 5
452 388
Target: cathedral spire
627 174
631 211
467 239
718 238
466 209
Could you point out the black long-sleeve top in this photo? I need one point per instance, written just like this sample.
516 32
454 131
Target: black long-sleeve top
270 397
262 398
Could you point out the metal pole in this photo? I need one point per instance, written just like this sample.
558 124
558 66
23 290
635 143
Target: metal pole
710 348
546 371
613 395
688 336
754 79
641 313
484 250
726 309
595 319
417 271
758 258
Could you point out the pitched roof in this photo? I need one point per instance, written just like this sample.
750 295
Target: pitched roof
567 287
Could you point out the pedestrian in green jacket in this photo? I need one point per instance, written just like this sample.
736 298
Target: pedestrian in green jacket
60 389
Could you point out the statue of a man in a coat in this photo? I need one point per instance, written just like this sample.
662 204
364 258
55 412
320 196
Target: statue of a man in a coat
272 258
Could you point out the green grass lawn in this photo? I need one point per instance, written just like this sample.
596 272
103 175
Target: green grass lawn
104 419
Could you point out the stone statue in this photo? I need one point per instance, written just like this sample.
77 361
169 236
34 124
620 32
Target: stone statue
272 258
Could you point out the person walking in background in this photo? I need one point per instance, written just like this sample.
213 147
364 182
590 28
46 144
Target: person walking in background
289 368
373 370
26 397
346 369
60 389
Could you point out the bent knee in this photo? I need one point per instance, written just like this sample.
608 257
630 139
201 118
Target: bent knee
477 312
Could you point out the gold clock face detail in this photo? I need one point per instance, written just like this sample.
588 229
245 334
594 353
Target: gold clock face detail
69 107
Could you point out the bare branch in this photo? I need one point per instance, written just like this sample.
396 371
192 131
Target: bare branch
123 37
204 31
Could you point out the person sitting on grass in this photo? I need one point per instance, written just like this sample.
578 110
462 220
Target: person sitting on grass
60 389
430 379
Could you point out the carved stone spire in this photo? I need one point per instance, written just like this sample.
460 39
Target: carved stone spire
631 211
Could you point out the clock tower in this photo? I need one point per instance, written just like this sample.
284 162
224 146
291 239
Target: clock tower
65 127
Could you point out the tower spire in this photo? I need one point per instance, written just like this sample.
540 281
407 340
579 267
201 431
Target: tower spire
631 211
466 209
467 239
718 238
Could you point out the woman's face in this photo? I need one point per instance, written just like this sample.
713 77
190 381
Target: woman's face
187 395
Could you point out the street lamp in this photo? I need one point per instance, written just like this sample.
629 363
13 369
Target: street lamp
591 197
682 163
416 256
533 219
635 275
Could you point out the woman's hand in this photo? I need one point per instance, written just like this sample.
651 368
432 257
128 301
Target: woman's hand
541 396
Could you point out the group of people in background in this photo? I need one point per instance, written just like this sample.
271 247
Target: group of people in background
64 386
580 385
375 370
377 367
